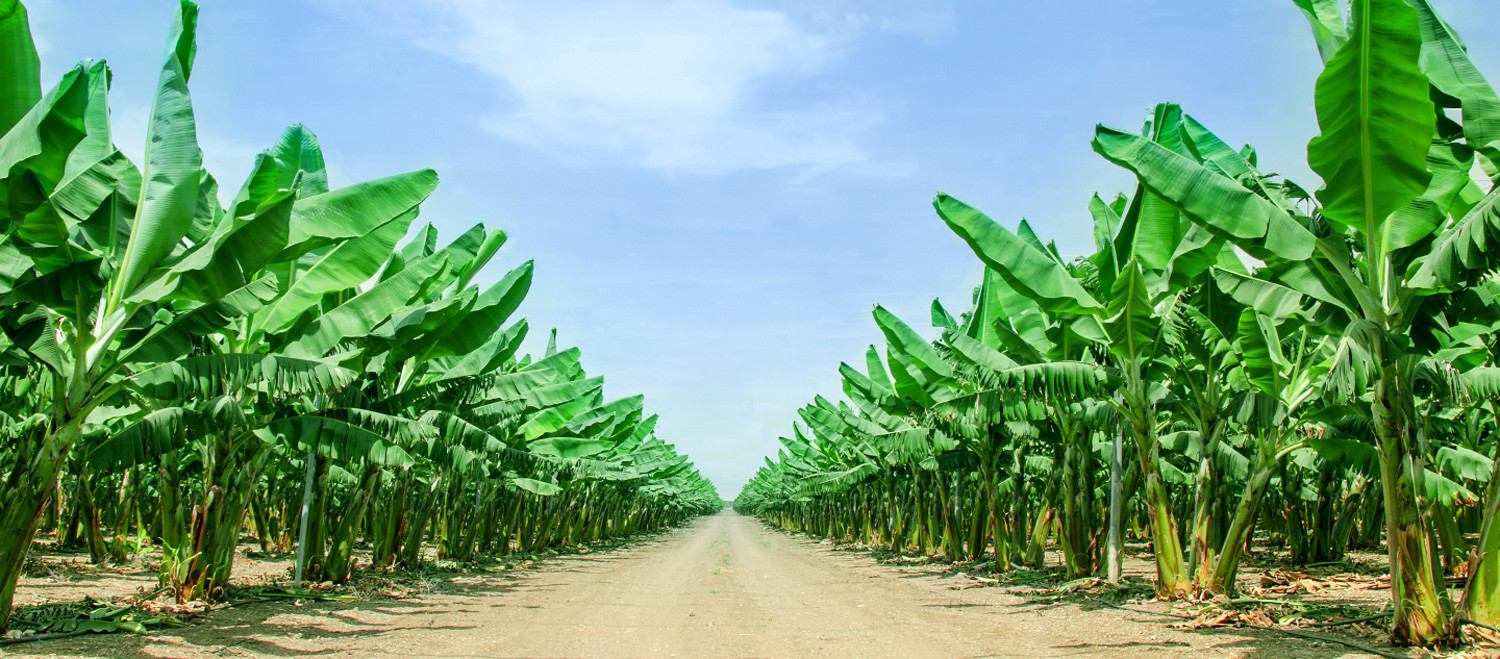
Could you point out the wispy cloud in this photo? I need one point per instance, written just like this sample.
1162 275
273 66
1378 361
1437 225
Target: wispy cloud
684 86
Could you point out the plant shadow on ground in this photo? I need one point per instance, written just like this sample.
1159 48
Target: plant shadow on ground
1037 591
267 628
383 602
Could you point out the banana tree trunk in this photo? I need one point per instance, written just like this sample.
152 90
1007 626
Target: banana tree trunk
1019 528
1076 533
1324 515
1172 578
315 547
949 545
1201 549
123 513
390 520
1221 579
28 494
232 470
978 515
341 555
1349 511
91 517
1036 548
992 508
174 519
1421 618
1481 601
410 556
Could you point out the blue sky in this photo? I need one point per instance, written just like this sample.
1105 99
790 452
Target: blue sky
716 192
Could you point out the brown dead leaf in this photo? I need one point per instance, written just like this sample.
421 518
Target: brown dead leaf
1378 583
1257 618
1219 618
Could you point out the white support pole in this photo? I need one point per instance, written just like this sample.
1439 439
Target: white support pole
1116 466
307 487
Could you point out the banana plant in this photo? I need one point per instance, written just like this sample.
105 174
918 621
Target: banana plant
1006 330
90 239
1398 228
212 416
1127 325
1285 366
143 324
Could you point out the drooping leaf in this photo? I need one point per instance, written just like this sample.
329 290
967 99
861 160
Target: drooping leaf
1211 199
1468 249
174 339
539 488
901 336
1446 62
341 440
1038 274
569 448
349 264
366 311
211 375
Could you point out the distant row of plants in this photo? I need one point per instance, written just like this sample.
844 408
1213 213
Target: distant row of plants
305 363
1316 369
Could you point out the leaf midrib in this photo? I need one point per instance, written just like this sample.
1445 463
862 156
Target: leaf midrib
1372 251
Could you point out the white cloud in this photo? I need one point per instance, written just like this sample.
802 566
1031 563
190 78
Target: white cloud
677 86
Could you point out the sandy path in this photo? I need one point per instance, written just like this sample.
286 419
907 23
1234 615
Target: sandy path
724 586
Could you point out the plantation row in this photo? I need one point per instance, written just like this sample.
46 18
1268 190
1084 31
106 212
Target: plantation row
174 373
1316 370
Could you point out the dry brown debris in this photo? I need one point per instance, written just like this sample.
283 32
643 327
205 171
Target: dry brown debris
1291 582
1227 618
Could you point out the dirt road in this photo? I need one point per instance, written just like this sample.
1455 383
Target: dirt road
727 587
724 586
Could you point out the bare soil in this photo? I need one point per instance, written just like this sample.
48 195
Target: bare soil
722 586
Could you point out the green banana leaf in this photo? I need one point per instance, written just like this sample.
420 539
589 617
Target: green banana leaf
1035 274
1376 120
170 191
20 69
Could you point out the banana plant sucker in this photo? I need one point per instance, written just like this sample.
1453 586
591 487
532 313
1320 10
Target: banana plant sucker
1202 374
1481 598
